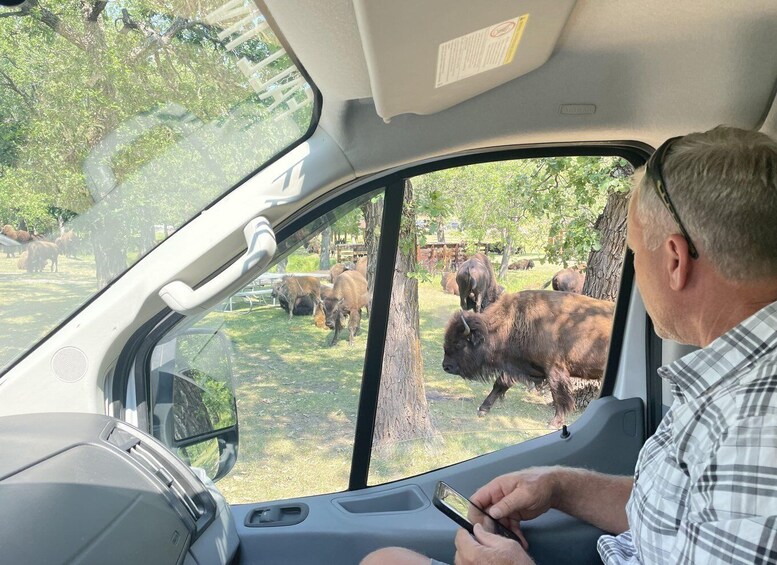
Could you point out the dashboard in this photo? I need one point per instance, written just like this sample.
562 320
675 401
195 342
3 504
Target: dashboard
87 488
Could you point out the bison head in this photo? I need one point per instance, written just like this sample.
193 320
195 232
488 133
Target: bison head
278 290
334 311
465 346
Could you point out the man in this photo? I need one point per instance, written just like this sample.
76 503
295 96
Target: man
703 228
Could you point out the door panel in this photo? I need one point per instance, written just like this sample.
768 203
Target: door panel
344 527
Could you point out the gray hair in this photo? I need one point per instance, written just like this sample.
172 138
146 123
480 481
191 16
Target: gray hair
723 183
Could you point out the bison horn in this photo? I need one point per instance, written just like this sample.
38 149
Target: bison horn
466 326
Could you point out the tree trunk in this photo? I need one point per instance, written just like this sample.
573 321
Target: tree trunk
323 260
603 273
282 265
110 257
373 214
403 412
507 251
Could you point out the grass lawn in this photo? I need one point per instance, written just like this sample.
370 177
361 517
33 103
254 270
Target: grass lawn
34 303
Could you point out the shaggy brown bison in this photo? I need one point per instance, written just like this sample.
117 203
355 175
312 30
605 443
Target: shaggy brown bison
67 243
529 336
336 270
38 252
448 283
346 300
21 263
568 280
477 283
521 265
301 295
20 236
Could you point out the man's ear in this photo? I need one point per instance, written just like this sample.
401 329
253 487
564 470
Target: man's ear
679 263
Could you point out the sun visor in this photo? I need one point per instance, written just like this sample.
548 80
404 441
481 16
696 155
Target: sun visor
422 59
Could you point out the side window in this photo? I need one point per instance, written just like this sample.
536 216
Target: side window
501 309
297 336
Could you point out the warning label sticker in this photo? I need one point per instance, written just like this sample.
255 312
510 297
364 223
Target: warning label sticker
479 51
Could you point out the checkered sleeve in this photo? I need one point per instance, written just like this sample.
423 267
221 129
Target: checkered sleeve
732 514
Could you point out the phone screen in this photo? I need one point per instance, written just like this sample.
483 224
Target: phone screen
465 513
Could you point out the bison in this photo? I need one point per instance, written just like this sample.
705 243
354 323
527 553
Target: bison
21 263
477 283
340 268
568 280
303 306
346 300
530 336
521 265
448 283
67 243
38 252
20 236
301 294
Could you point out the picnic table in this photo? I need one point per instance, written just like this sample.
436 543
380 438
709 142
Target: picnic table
259 291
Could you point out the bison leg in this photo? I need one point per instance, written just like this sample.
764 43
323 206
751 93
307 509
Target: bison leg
560 392
338 327
353 325
501 386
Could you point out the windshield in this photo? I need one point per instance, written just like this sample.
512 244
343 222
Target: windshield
121 120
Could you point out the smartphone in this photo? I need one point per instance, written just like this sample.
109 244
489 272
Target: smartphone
462 511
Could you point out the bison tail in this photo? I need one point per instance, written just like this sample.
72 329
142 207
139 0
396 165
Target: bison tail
547 284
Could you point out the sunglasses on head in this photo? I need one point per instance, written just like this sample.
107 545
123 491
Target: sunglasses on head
654 170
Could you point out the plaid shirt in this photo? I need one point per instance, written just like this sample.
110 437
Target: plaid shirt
705 486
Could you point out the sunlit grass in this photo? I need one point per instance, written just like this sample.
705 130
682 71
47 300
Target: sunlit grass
34 303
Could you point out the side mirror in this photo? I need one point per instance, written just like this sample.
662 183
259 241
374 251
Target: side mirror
193 399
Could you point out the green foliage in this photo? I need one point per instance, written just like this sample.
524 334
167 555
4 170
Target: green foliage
302 263
545 205
350 224
138 113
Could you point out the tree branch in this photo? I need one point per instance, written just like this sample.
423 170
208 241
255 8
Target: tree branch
156 42
9 82
48 18
97 9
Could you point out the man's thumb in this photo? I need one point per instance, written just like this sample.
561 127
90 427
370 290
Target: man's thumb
484 537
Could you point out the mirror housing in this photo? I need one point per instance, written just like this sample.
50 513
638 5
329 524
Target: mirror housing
193 406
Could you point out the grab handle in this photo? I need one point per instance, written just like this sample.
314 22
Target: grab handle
260 240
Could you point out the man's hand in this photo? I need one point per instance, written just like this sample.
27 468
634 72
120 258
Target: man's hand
488 549
518 496
596 498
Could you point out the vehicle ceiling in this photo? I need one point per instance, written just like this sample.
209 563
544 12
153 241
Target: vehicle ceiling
652 68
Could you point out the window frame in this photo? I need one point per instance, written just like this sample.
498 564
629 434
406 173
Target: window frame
392 182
